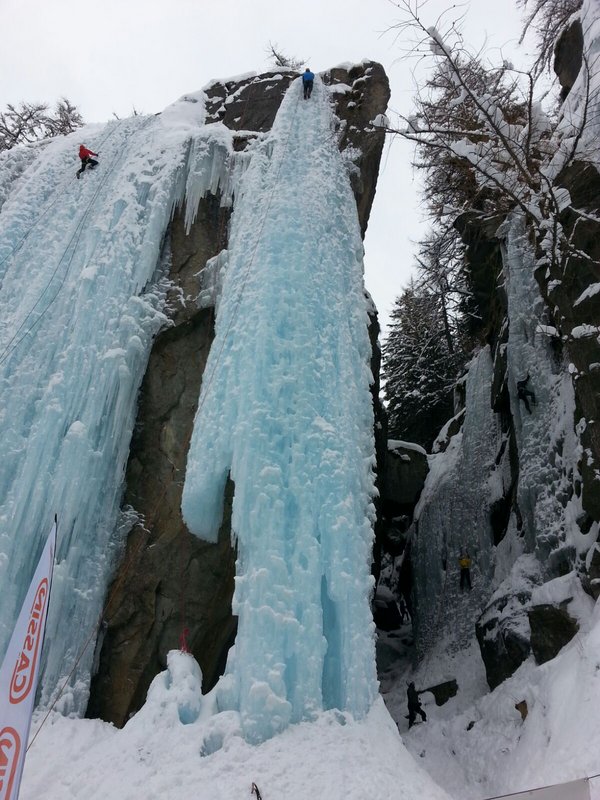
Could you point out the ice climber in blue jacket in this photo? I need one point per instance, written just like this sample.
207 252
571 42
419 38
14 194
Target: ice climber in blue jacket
307 83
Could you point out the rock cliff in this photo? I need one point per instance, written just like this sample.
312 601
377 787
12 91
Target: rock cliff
536 516
514 477
169 584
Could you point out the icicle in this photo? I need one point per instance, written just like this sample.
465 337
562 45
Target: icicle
210 167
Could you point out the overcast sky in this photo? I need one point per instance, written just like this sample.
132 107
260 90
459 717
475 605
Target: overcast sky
115 55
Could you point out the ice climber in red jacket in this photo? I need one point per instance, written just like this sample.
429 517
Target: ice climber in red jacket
86 161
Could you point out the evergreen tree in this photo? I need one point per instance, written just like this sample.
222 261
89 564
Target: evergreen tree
420 366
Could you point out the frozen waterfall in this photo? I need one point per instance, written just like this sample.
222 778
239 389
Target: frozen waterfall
286 410
82 289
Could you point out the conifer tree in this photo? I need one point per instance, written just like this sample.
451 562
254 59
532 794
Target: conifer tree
420 366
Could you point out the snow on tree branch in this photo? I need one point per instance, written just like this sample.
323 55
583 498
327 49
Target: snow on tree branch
30 122
483 138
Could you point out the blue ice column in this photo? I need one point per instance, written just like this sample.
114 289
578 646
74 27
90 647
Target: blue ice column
285 408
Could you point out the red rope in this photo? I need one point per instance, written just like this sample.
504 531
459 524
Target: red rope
183 645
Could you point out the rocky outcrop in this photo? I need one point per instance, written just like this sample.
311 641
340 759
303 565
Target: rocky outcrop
568 56
529 616
504 636
503 630
552 627
385 610
404 474
484 267
557 608
362 93
571 289
169 582
512 625
168 579
591 578
402 469
442 692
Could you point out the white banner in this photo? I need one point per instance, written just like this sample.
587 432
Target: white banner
19 674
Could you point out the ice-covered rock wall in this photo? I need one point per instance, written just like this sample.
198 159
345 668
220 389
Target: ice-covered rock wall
453 515
507 485
541 495
286 409
169 580
82 289
545 537
546 439
112 279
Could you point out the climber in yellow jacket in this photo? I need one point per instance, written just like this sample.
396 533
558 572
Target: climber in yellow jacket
464 563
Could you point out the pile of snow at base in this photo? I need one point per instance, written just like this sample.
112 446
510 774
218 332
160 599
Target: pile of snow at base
286 407
82 289
478 745
157 756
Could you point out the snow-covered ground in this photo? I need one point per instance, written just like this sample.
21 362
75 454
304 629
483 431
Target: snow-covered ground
158 757
477 745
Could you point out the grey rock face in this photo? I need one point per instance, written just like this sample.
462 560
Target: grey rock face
504 636
552 627
404 475
574 307
368 97
168 580
505 630
568 56
591 581
442 692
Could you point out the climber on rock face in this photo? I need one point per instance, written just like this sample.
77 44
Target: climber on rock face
307 83
464 562
523 393
414 705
